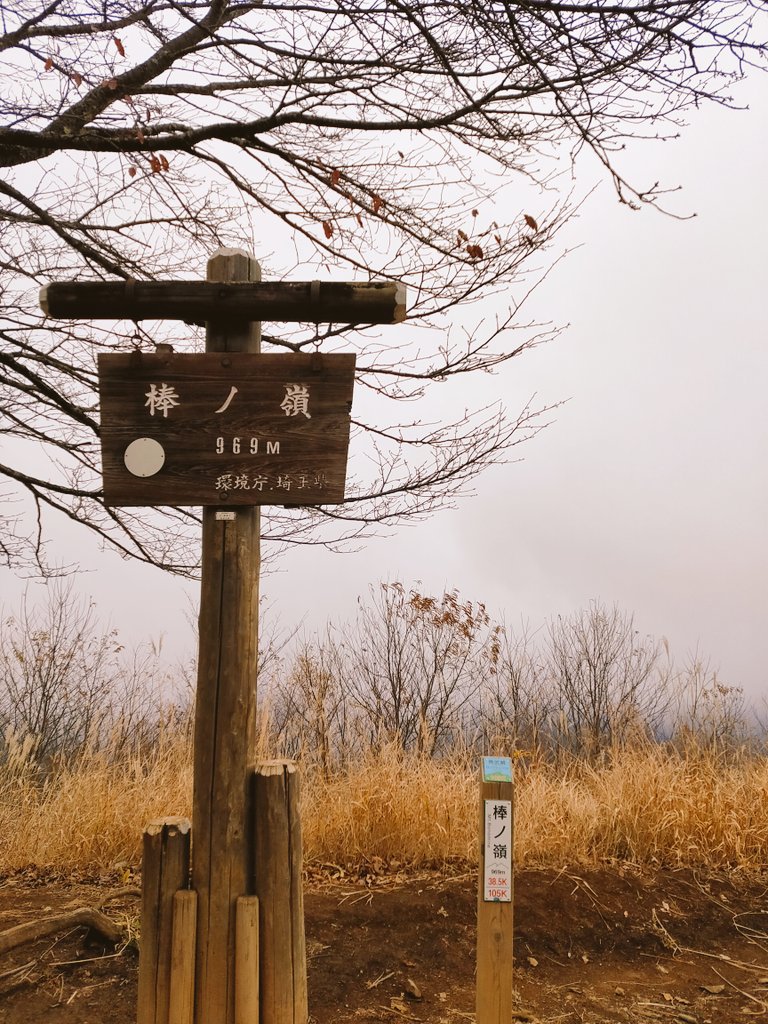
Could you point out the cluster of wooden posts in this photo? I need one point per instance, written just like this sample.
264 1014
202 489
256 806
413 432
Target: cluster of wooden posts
222 929
248 963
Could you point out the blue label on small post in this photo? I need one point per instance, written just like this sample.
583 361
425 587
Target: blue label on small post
497 769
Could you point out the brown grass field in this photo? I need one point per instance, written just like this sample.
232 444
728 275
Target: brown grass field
640 887
649 806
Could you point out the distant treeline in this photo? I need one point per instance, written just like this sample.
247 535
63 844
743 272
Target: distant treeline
426 675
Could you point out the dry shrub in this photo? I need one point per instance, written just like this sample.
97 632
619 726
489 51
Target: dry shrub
650 805
89 815
698 809
392 805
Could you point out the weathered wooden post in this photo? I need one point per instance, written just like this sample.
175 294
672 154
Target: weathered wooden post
277 859
231 430
247 985
225 706
183 945
494 896
165 870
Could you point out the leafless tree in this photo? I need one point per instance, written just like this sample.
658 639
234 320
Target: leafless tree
611 682
516 710
414 662
411 141
310 704
67 684
708 713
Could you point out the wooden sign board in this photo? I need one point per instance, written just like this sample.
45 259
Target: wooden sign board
497 851
225 428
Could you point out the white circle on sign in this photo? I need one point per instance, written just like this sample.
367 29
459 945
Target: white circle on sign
144 457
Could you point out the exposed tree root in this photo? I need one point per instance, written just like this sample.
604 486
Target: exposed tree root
85 917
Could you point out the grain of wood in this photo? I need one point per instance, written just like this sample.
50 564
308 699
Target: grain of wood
181 1009
247 961
182 992
283 459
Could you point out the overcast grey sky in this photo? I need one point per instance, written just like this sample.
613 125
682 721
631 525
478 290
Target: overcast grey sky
649 489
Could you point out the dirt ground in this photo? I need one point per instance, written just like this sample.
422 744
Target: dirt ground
609 945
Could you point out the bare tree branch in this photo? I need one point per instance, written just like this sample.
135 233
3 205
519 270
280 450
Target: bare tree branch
416 142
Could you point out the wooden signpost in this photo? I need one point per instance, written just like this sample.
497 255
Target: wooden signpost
225 428
225 708
494 1003
230 430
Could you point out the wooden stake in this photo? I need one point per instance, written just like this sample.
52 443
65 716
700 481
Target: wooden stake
225 709
494 924
164 870
247 961
182 1003
278 884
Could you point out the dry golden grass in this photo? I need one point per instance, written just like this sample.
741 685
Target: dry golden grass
648 805
392 806
90 815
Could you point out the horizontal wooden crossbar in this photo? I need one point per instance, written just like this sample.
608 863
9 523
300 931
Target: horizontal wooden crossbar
374 302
